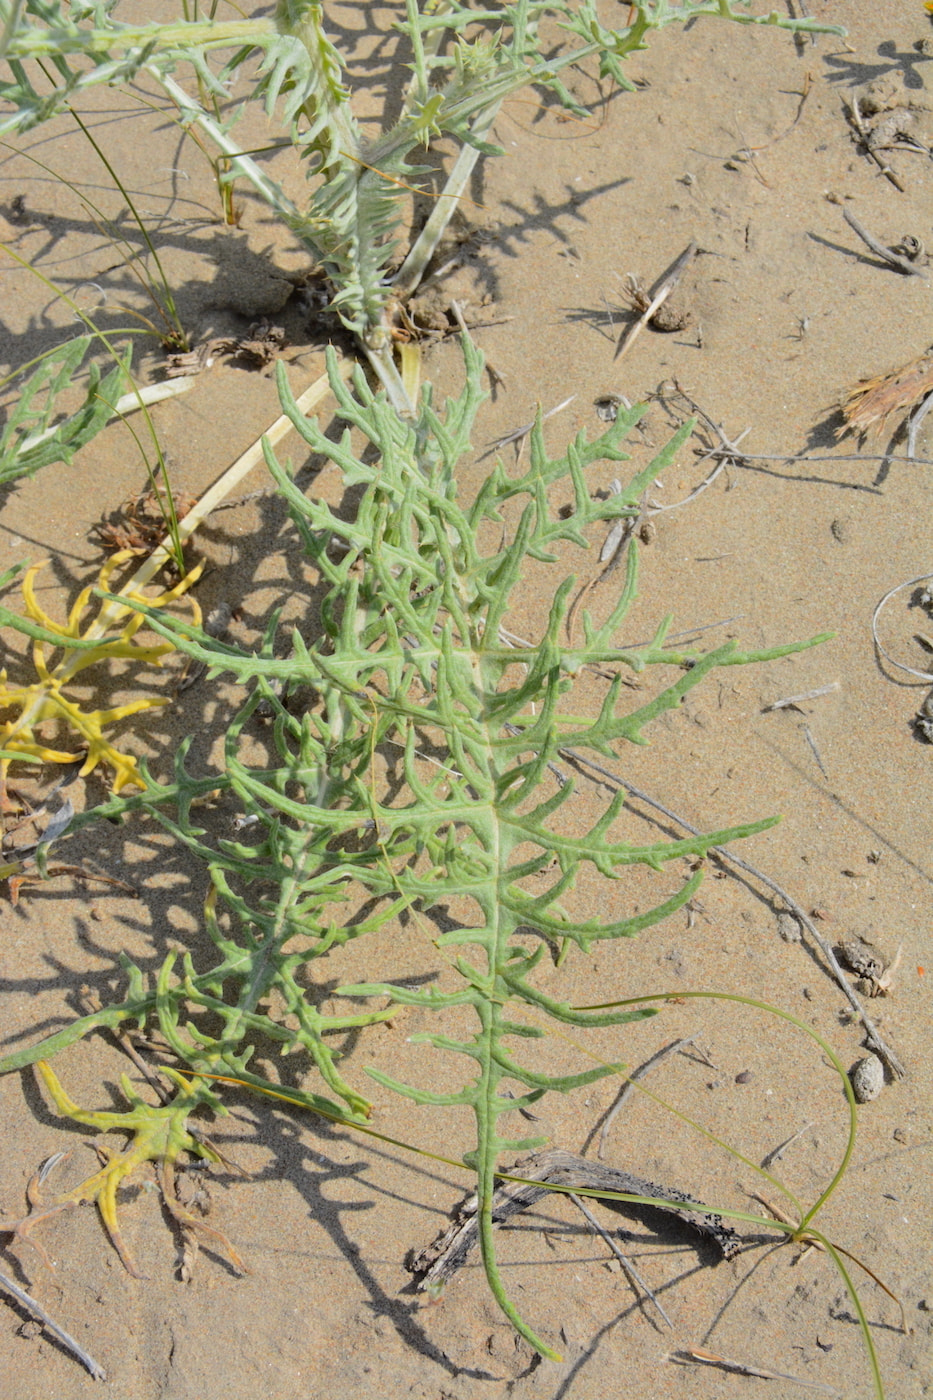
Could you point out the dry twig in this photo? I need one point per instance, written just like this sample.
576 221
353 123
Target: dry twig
64 1337
882 650
858 121
888 255
526 429
623 1259
794 701
742 1368
534 1177
635 1075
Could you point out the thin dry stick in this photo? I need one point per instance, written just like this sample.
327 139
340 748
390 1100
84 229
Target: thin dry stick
807 734
523 432
777 1153
721 854
921 675
728 449
93 1003
859 124
96 1370
890 257
722 458
626 1263
831 457
659 294
621 528
792 700
803 95
742 1368
626 1090
687 632
914 422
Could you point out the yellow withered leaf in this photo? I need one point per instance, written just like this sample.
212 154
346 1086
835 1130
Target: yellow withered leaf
45 701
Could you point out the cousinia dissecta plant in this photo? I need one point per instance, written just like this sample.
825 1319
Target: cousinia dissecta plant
465 61
420 777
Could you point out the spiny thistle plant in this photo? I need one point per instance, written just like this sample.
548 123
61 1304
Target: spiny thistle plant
465 61
421 776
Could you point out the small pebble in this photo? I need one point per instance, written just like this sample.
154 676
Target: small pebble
867 1078
789 928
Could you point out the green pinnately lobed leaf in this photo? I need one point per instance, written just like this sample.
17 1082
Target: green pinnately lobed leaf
420 774
30 439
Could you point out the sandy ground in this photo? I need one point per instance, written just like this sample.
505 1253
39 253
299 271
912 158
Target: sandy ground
788 310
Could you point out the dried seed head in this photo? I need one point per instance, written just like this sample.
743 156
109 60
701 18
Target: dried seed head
872 402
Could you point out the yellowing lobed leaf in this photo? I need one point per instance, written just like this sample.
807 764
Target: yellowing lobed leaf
45 701
159 1134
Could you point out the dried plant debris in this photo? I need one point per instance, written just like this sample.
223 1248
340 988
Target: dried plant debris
257 349
141 523
660 306
872 402
437 1264
673 314
887 116
894 115
876 976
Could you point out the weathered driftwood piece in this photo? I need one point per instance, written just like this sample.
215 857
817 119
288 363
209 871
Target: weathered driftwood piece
436 1264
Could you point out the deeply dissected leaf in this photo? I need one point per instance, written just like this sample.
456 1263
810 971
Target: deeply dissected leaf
30 438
